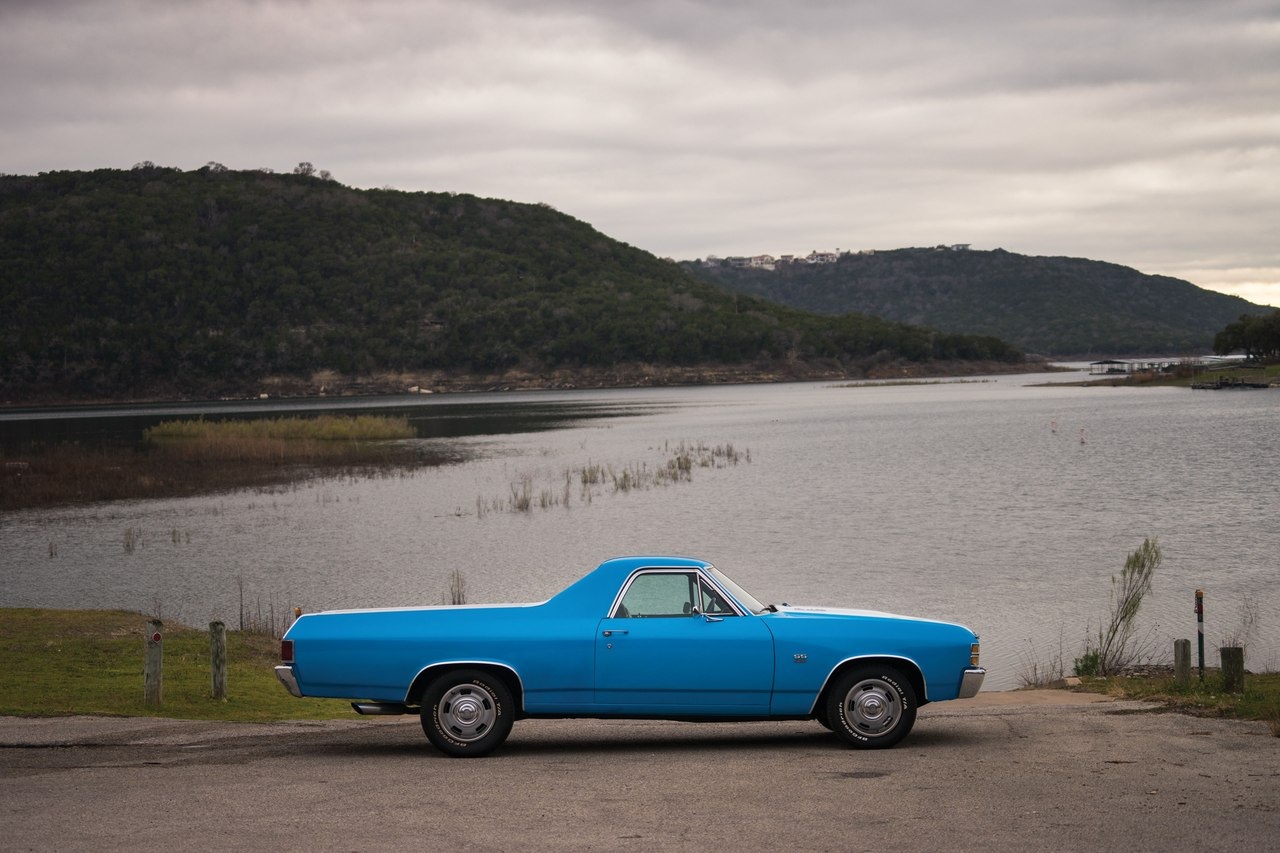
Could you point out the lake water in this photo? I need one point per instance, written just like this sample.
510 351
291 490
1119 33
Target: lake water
994 503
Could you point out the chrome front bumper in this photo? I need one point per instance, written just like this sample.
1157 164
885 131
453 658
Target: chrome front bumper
970 682
285 674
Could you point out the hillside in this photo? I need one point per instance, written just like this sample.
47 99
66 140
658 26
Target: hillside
1051 306
157 282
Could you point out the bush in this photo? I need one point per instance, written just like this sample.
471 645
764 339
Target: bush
1088 663
1116 646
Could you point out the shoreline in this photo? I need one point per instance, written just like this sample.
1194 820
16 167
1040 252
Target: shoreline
325 384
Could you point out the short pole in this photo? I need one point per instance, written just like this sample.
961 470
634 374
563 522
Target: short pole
1182 662
153 669
1200 629
218 659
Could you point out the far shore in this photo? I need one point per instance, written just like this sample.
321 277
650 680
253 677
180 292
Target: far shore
322 384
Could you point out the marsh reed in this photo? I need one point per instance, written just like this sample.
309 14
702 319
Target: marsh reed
594 479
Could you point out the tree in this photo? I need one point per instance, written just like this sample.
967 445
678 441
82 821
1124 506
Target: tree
1257 335
305 169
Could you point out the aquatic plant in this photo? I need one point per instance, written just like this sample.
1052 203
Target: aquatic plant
596 478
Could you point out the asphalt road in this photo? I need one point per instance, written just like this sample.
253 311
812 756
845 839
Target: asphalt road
1031 769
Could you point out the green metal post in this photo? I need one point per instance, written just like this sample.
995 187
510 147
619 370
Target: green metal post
1200 629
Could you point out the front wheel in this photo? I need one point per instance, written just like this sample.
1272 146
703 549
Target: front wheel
872 707
467 713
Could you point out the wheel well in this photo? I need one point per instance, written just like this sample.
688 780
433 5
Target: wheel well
906 667
507 676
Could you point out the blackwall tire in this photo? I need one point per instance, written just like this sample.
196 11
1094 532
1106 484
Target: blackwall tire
467 713
872 707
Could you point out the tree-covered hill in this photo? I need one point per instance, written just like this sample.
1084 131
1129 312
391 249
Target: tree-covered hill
154 281
1051 306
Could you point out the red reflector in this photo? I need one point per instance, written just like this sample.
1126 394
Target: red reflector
286 651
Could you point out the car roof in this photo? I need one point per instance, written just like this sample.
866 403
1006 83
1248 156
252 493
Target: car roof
606 579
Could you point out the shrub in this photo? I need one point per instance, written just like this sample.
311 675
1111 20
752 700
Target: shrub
1116 647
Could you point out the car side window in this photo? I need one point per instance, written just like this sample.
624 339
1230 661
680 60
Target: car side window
660 594
713 602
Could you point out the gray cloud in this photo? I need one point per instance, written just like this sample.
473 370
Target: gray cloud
1143 133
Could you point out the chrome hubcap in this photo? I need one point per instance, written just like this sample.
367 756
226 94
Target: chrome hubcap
467 712
873 707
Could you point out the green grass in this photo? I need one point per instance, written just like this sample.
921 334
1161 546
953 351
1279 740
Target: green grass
1260 700
60 662
320 428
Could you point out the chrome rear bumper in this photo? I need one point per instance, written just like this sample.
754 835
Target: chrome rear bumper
971 682
285 674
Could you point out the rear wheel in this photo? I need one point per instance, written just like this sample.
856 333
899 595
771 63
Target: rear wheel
871 707
467 713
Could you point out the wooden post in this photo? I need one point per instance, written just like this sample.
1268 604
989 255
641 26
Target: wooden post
153 670
218 659
1232 669
1182 662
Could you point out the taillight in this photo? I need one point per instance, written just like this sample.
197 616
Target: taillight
973 654
286 651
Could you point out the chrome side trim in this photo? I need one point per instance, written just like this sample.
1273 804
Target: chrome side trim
285 674
971 682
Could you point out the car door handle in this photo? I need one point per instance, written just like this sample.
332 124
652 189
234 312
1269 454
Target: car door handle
714 618
613 631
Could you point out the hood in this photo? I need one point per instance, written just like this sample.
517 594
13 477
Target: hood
804 611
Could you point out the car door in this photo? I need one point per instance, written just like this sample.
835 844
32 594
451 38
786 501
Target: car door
675 645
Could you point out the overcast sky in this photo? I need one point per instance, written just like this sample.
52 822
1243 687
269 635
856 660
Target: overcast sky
1143 132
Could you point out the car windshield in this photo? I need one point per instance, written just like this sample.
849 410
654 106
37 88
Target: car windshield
744 598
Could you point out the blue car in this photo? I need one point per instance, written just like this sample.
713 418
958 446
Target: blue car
639 637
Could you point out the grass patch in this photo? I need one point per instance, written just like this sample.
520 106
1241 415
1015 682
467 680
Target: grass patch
60 662
225 434
198 456
1259 701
